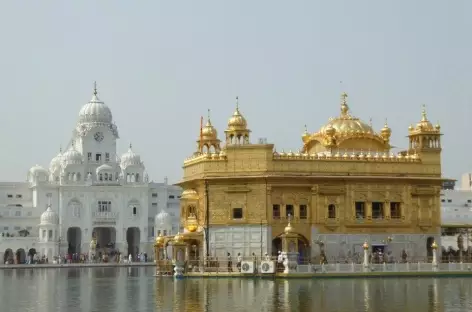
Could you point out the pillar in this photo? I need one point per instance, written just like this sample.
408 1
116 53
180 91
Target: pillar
158 253
366 255
178 258
434 246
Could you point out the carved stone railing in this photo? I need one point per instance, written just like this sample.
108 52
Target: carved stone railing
106 215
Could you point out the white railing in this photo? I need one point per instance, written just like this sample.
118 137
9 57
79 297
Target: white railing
105 215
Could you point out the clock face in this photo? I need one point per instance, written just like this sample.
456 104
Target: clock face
98 136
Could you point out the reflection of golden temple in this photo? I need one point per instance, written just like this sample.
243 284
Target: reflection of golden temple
344 182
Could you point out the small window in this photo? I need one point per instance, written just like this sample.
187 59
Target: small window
98 157
469 201
5 228
107 157
17 213
289 210
154 195
171 196
19 196
377 210
179 196
89 156
29 213
303 212
135 211
29 228
154 204
449 200
16 228
237 213
275 211
443 200
10 196
331 211
360 210
19 205
395 210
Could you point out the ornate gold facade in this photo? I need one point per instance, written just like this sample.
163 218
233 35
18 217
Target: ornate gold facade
343 180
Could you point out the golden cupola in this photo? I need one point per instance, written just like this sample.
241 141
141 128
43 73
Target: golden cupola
237 132
425 137
208 141
386 132
346 132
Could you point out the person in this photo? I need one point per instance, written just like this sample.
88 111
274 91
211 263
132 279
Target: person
280 260
230 263
254 259
130 258
267 257
240 260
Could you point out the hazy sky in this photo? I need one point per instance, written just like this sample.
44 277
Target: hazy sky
160 65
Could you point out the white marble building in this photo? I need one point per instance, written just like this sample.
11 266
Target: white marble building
456 218
87 190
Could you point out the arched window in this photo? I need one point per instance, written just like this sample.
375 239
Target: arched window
100 177
331 211
135 211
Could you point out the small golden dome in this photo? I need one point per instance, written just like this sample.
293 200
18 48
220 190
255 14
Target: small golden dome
424 124
209 131
237 120
282 153
189 194
160 240
365 246
178 238
290 154
288 228
386 131
437 126
434 245
192 223
305 133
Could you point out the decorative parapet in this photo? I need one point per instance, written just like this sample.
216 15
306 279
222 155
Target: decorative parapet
354 156
206 156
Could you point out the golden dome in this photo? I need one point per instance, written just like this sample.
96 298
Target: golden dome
189 194
237 121
345 123
386 131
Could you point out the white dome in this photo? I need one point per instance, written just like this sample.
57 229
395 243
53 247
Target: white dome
49 217
95 111
36 169
72 156
162 219
56 162
130 158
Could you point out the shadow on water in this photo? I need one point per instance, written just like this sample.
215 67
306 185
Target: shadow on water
136 289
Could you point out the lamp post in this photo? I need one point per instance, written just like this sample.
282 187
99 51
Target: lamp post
434 246
365 246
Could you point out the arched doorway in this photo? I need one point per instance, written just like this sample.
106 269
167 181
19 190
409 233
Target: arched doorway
106 239
74 240
8 256
429 249
133 237
20 256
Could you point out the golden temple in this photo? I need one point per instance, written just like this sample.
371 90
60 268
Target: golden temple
343 187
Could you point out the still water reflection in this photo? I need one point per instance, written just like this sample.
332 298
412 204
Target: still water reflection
135 289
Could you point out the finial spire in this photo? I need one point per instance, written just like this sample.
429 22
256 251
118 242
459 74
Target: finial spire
95 92
208 114
423 114
49 195
370 122
344 107
130 145
306 129
237 102
386 122
60 149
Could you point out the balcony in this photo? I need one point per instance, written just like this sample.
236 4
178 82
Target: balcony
106 218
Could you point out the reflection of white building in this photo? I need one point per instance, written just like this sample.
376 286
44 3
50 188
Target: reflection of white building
90 190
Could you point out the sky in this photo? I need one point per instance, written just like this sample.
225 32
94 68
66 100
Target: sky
160 65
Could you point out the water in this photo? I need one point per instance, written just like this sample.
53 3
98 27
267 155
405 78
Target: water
135 289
